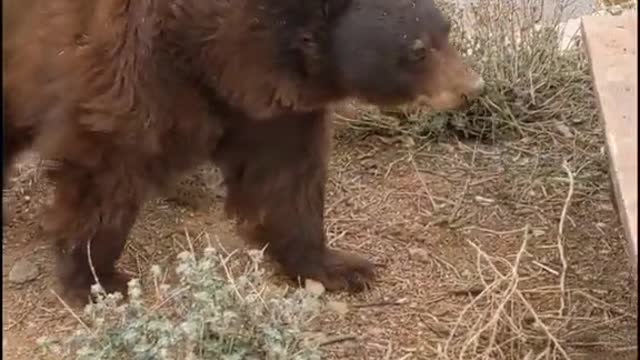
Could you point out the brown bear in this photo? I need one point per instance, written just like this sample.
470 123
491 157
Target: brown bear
124 95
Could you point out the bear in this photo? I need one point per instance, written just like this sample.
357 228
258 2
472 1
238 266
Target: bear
123 96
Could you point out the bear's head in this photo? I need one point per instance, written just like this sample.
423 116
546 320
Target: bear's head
268 57
393 51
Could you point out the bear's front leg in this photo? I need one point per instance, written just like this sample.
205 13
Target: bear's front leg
276 174
93 211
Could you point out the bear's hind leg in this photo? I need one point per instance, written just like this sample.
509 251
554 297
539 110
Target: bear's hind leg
15 141
93 211
276 173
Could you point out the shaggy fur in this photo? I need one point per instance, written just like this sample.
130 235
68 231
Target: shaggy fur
125 95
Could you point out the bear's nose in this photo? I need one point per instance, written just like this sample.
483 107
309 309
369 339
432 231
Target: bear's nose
418 50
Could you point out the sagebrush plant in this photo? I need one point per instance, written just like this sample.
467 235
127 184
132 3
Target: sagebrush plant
208 314
530 80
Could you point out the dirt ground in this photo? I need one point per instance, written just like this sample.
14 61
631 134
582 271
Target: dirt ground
381 203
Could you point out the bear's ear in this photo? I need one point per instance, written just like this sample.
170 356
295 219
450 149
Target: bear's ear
333 8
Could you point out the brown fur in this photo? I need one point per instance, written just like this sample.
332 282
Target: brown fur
126 95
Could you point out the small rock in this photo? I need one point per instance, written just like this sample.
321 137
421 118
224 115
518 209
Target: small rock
564 130
484 201
339 307
408 141
401 301
607 207
421 255
314 287
440 328
538 232
615 10
23 271
369 164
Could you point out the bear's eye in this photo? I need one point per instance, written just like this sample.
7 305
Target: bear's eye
306 38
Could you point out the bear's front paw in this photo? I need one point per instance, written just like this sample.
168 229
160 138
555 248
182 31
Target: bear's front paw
345 271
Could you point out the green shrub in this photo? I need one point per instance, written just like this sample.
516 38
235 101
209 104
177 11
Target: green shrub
206 316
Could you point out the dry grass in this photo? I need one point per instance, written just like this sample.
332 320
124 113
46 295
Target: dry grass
540 113
524 219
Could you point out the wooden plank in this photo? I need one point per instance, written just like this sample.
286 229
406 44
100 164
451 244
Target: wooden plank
611 44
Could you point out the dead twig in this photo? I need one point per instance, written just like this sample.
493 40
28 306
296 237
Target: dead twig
337 339
380 304
434 206
560 242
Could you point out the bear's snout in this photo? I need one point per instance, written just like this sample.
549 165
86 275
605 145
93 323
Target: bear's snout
451 82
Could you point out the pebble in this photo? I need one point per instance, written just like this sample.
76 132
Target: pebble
615 10
23 271
314 287
376 331
564 130
338 307
538 232
421 255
